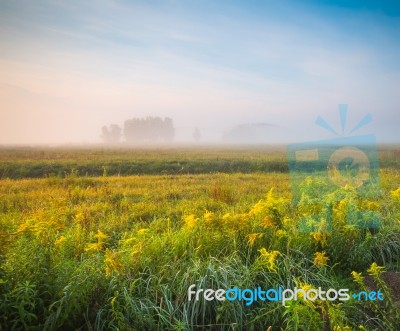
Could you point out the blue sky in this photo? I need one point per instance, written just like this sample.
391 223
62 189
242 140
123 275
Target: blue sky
70 67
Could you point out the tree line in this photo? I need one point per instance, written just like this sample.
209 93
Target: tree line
140 130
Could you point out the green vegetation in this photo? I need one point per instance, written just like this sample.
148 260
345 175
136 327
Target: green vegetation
119 253
16 163
61 162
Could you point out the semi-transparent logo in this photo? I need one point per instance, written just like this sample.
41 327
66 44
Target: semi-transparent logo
343 170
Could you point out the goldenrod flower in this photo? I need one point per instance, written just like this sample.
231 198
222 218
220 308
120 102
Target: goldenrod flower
238 222
396 193
128 241
342 204
375 270
208 216
341 210
287 220
190 221
94 247
23 228
358 278
269 258
59 241
348 187
268 222
112 301
226 217
305 287
372 205
101 237
142 231
342 328
79 217
113 262
320 237
320 259
257 208
281 233
251 238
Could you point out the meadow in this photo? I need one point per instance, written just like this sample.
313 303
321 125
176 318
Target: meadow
111 239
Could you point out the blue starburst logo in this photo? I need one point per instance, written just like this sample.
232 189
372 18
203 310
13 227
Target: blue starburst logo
325 172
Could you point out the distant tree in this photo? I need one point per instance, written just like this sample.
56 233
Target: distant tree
196 134
168 131
111 134
149 129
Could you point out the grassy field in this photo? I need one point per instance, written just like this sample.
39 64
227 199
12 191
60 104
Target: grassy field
111 239
60 162
39 163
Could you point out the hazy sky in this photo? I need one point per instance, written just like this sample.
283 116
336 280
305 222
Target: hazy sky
69 67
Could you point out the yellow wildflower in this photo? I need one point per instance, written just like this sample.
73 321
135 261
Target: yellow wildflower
342 328
251 238
305 287
101 237
94 247
348 187
142 231
238 222
137 250
268 222
113 262
320 237
112 301
107 270
341 211
257 208
80 217
287 220
358 278
371 205
342 204
396 194
320 259
269 258
23 228
226 217
281 233
375 270
208 217
60 241
190 221
128 241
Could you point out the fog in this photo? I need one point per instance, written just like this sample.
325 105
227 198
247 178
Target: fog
239 72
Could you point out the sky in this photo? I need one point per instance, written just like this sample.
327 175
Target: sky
70 67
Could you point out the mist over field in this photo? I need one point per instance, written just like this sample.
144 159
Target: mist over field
258 72
199 165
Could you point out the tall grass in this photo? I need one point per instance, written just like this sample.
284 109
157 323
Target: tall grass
119 253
